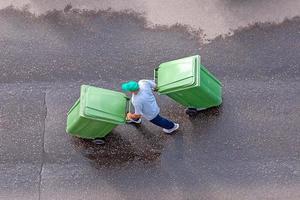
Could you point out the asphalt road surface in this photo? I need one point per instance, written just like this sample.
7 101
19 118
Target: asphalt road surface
248 148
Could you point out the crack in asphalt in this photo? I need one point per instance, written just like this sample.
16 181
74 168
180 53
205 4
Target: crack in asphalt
43 145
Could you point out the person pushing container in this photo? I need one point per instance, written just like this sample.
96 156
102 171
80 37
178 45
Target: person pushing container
145 105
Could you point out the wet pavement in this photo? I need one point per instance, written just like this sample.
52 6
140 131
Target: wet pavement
248 148
212 17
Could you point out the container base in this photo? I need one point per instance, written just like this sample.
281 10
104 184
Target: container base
191 112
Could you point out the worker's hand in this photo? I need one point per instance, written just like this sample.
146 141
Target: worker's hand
132 116
128 116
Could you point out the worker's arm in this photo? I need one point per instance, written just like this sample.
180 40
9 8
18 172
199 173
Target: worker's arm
153 85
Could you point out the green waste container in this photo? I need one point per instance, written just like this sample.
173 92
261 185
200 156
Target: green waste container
96 112
189 83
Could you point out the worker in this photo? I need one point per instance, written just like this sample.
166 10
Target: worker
145 105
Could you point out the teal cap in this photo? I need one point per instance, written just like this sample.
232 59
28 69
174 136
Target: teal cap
130 86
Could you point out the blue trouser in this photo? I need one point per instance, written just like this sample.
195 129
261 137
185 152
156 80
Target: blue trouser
162 122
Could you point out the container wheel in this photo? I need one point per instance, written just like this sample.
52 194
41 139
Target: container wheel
99 141
192 112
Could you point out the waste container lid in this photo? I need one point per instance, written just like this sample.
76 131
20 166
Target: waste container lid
102 104
176 74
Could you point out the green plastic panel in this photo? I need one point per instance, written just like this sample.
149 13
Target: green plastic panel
176 74
205 92
102 104
97 112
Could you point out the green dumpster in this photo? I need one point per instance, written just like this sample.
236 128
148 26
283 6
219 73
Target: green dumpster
189 83
96 112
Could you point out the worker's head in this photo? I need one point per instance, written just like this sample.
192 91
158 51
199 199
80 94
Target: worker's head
131 86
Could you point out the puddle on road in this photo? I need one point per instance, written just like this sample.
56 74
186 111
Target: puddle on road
79 45
116 151
214 17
